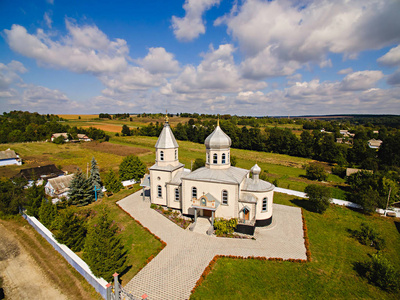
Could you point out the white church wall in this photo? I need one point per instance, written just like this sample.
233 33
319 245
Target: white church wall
260 214
171 196
169 157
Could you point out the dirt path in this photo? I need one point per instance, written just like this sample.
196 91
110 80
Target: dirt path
32 269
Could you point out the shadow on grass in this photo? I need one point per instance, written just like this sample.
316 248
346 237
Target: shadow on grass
303 204
361 268
126 270
397 224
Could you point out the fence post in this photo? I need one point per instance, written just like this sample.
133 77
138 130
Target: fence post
109 288
116 286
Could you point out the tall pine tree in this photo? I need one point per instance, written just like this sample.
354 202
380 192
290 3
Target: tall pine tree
104 251
71 230
34 196
47 213
81 191
95 177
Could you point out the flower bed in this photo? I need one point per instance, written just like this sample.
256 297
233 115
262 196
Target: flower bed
172 215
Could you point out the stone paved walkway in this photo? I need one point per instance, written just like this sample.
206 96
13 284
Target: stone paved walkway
173 273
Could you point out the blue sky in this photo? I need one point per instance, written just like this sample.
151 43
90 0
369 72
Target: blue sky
248 57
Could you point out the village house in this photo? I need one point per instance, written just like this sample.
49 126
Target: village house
9 157
215 190
59 186
38 174
374 144
56 135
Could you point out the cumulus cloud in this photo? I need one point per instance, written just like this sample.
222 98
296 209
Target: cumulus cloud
83 50
394 79
289 34
192 25
392 58
47 19
361 80
158 60
9 74
345 71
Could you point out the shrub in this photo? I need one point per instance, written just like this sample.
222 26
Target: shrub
368 236
223 226
316 172
381 272
319 196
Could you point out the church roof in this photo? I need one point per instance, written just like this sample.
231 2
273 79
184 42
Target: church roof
177 178
218 140
247 198
168 168
252 185
230 175
166 140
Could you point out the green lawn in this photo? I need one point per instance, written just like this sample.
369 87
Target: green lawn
330 275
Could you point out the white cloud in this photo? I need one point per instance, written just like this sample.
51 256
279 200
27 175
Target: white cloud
159 61
47 19
84 50
192 25
345 71
394 79
9 74
288 34
361 80
392 58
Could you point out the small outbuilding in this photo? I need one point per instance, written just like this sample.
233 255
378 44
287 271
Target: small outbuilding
9 157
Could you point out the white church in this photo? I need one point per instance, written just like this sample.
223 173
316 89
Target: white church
215 190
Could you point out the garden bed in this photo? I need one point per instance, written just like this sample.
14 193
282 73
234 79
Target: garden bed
172 215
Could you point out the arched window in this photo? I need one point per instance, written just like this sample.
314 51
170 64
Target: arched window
223 158
194 192
159 191
215 158
208 157
161 155
176 194
265 204
225 197
176 154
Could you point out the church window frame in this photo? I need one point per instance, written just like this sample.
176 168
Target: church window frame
177 196
159 191
194 192
225 197
176 154
223 158
264 204
161 155
215 158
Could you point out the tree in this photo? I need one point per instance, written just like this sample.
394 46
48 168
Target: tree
131 168
112 182
59 140
12 196
104 251
233 160
125 131
94 177
316 172
81 191
71 230
319 196
34 196
47 213
198 163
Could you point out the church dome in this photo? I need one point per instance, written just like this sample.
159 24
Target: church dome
218 140
256 170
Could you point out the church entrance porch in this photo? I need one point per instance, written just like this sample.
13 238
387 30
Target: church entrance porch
206 213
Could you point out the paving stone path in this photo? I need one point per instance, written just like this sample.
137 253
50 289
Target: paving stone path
173 273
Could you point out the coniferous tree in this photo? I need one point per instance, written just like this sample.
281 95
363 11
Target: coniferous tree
104 251
131 168
81 191
47 213
112 182
34 196
95 177
71 230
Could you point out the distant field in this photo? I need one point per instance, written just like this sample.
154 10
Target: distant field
105 127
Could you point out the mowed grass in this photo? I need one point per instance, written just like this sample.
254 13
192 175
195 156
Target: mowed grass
330 275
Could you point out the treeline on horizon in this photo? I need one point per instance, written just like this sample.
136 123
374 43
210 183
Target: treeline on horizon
19 126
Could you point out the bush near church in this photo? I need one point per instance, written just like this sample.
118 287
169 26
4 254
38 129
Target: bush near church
319 196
